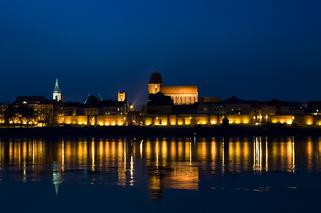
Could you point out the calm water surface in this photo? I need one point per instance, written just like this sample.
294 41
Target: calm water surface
245 174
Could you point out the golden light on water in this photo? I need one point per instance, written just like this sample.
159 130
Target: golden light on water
169 163
164 151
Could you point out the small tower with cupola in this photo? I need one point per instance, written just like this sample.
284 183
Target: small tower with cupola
121 96
155 83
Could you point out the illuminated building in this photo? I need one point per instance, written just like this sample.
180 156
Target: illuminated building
3 109
166 106
57 94
179 94
94 112
282 119
121 96
32 111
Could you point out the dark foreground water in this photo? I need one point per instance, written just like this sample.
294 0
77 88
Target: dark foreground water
247 174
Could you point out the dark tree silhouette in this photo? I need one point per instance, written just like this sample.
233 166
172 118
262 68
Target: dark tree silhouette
9 114
27 113
225 122
193 122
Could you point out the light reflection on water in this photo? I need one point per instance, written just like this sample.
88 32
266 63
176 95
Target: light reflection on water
164 163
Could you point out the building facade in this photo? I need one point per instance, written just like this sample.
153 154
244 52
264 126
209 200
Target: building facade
181 95
166 106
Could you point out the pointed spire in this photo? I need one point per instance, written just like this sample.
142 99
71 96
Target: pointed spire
57 89
57 94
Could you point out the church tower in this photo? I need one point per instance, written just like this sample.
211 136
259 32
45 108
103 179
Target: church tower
57 94
155 83
121 96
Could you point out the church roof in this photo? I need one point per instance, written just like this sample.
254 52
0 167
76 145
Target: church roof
179 90
156 78
93 100
97 101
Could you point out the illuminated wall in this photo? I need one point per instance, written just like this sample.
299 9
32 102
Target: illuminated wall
308 120
200 120
148 121
111 120
181 94
164 120
180 121
305 120
283 119
239 119
161 121
172 120
101 120
74 120
23 121
185 120
214 119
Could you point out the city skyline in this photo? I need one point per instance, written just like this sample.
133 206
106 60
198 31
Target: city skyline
167 105
250 49
138 102
160 106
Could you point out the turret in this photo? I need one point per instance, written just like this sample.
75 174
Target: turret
121 96
155 82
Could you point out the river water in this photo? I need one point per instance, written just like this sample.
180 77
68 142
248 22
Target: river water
243 174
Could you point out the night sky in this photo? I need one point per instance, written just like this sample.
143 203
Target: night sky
253 49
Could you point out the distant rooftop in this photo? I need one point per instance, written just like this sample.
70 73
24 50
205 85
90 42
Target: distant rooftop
179 89
93 99
96 101
31 99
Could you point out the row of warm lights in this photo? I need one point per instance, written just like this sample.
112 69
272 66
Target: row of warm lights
82 120
113 123
165 120
283 120
23 121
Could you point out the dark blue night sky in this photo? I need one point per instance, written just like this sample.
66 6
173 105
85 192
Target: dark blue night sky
254 49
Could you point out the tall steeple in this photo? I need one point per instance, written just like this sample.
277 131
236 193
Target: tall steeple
57 89
57 94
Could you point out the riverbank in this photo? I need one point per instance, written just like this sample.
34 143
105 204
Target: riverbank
162 131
